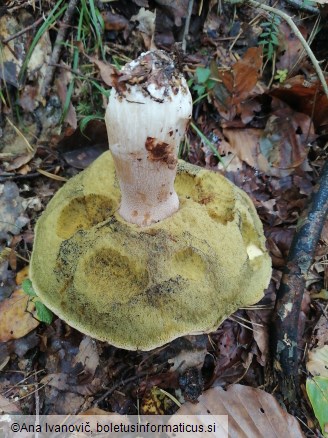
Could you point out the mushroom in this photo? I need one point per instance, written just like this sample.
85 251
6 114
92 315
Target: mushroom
157 105
123 255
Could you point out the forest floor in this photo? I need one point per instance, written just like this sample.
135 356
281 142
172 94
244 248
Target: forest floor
260 118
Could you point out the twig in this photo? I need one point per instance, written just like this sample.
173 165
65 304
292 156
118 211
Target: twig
301 4
55 56
292 287
21 32
37 404
187 25
118 384
298 34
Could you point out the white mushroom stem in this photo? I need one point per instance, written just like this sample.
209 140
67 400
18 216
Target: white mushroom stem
146 119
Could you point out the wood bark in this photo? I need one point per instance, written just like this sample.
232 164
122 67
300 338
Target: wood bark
286 336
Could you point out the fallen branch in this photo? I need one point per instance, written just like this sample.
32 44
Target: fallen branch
298 34
289 298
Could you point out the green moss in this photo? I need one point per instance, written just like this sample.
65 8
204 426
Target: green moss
138 288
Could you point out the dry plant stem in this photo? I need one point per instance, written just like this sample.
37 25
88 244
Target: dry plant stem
21 32
187 25
61 37
290 294
298 34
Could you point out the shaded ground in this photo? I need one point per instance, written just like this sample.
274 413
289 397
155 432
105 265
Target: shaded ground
260 118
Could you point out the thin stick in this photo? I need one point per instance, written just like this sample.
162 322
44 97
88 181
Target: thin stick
21 32
61 36
28 145
298 34
187 25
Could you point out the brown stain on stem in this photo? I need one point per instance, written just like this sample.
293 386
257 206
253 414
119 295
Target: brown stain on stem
161 151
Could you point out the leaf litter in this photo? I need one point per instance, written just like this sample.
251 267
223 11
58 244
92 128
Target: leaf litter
270 136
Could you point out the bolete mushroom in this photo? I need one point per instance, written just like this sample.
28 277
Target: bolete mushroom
122 254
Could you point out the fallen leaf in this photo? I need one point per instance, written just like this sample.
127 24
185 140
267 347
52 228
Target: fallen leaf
245 144
146 26
8 407
191 355
12 217
317 390
22 275
16 316
19 161
260 320
284 139
236 84
252 412
176 8
87 356
307 98
320 333
83 157
317 363
109 74
64 382
155 402
114 21
28 98
291 47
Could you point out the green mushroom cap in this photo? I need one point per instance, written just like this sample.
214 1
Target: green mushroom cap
141 287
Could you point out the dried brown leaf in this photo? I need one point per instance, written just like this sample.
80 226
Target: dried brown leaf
245 144
20 160
109 74
291 47
88 356
114 21
283 142
252 412
8 407
16 316
317 363
64 382
307 98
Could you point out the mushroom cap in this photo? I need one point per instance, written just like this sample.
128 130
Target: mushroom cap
139 288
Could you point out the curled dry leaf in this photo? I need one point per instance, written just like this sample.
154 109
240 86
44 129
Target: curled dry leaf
252 412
